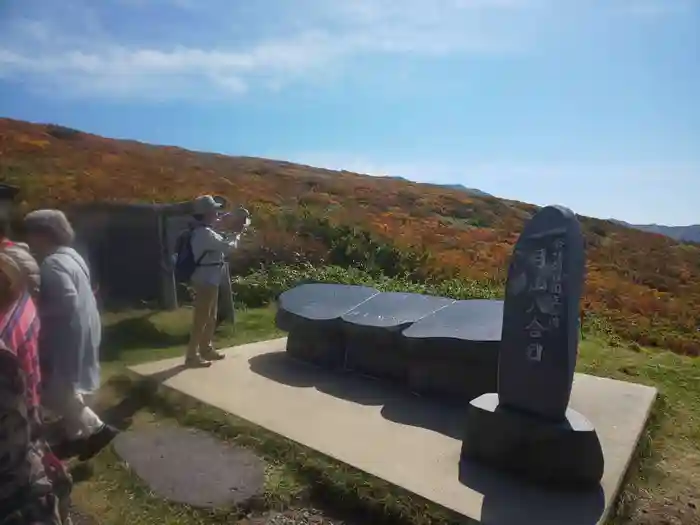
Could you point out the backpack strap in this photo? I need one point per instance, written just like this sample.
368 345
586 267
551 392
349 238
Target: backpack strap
198 262
82 267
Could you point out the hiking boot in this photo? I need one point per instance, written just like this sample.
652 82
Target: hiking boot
197 362
212 355
97 441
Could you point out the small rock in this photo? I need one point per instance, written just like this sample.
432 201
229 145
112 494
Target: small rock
192 467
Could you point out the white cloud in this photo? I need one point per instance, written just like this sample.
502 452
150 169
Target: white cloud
222 48
81 55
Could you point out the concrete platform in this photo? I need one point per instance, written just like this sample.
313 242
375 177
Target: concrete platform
406 440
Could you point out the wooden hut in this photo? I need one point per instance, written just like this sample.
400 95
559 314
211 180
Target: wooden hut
130 250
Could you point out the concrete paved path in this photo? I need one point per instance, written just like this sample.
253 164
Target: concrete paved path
406 440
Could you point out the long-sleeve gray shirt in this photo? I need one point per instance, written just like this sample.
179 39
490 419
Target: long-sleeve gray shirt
71 331
212 247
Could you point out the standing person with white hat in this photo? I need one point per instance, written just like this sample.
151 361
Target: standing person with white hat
209 249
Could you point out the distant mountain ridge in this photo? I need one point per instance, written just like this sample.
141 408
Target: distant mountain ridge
462 187
689 233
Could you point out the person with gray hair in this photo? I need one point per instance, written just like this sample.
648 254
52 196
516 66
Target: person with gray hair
71 331
20 252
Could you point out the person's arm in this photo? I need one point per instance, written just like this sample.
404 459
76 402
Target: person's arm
215 242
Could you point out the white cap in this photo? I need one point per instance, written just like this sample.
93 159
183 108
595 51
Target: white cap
205 204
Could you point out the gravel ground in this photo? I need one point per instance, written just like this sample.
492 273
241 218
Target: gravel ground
288 517
79 518
294 517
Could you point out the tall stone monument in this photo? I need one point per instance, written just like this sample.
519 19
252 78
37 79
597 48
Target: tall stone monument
527 427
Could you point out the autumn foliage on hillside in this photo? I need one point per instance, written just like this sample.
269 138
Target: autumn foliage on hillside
646 285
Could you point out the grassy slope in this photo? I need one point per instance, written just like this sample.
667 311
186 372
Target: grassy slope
663 486
647 285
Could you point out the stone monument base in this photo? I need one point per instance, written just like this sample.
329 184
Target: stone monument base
376 352
321 343
567 454
452 369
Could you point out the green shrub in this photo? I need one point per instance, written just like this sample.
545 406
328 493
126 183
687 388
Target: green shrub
345 245
264 286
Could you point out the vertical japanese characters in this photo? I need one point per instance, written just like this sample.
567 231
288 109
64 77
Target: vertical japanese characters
545 291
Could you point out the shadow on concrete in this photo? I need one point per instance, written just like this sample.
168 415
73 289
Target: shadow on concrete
121 414
164 375
397 404
507 501
417 411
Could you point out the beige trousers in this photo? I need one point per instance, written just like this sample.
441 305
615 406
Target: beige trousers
204 319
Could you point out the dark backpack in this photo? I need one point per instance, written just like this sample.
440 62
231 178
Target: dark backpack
185 263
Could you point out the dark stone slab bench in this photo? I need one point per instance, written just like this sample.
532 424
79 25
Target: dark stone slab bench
373 342
311 314
453 353
433 345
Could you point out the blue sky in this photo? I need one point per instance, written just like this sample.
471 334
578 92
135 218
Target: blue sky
588 103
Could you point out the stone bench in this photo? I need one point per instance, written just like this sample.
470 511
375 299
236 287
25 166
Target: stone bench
453 353
432 345
373 342
311 313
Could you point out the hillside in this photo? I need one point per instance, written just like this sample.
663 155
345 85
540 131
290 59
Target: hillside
645 286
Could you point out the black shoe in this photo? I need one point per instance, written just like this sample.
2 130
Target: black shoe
98 441
64 450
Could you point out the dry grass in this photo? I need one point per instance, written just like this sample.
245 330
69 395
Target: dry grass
664 482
